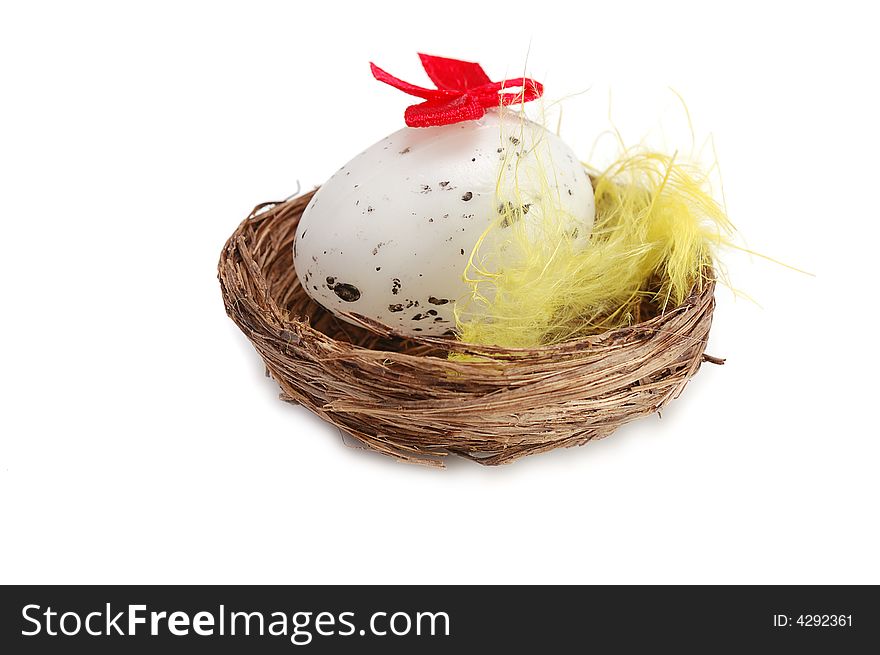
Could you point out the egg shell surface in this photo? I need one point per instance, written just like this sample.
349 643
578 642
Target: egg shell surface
389 235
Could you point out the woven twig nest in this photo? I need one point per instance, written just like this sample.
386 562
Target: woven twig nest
404 397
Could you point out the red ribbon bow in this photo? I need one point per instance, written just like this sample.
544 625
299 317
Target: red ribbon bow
463 92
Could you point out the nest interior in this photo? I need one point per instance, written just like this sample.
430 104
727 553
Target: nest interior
406 398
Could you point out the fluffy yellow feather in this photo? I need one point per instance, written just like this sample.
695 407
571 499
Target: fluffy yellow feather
656 230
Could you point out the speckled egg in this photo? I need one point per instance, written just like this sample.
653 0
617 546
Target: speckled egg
390 234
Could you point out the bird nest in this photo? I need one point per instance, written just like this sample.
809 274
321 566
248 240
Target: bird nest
405 397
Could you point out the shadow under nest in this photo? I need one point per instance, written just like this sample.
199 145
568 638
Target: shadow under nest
406 398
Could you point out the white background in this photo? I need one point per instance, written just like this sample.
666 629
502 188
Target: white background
141 442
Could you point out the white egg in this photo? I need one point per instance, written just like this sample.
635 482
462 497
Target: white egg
390 234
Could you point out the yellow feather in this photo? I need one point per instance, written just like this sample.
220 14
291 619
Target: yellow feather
535 282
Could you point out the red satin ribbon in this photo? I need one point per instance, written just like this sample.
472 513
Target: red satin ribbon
463 92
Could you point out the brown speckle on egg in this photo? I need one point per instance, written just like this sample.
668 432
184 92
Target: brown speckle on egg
347 292
467 196
331 280
395 286
511 213
437 301
404 151
426 188
395 308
